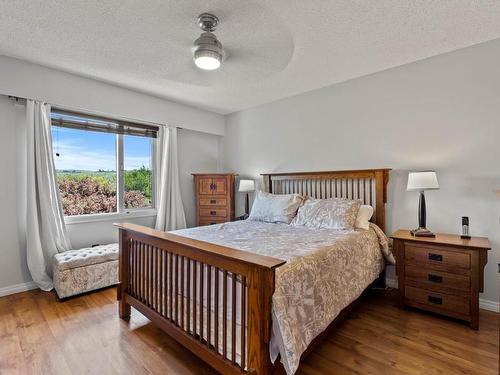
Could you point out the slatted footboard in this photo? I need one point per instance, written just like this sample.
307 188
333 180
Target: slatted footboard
214 300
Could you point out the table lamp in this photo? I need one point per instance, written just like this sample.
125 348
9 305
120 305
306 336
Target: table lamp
422 181
246 186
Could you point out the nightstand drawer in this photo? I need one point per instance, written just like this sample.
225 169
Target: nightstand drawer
435 256
436 280
437 302
213 201
213 212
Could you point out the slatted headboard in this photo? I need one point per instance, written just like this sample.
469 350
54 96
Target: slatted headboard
368 185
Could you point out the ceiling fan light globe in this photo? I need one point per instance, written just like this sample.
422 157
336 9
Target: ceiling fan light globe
207 60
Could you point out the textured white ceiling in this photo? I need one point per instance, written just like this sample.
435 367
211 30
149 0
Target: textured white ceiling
276 48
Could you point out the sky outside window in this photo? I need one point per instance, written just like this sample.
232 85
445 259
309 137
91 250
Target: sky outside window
84 150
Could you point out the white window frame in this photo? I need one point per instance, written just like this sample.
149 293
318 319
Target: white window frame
122 212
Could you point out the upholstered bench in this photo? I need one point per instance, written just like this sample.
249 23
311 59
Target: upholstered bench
83 270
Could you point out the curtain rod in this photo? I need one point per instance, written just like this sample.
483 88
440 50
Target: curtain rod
19 99
16 98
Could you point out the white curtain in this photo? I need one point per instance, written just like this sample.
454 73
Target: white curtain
46 232
170 211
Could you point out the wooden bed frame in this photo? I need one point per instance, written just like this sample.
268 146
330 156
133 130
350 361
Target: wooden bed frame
157 267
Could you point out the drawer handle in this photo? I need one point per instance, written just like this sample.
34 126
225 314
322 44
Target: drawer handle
435 300
435 278
213 212
213 201
212 223
436 257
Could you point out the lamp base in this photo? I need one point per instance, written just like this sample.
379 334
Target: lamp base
422 232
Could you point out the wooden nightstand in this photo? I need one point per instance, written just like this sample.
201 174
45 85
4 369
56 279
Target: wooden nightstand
442 274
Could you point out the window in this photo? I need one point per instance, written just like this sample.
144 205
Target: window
102 165
86 170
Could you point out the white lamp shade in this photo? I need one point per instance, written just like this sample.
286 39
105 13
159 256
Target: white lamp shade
422 181
246 185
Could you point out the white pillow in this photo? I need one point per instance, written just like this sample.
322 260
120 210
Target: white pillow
333 213
365 213
275 208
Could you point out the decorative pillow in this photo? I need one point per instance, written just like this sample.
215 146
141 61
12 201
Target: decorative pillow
335 213
365 213
275 208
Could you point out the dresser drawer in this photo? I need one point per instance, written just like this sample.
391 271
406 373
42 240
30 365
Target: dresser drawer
220 202
438 257
436 280
437 302
213 212
210 221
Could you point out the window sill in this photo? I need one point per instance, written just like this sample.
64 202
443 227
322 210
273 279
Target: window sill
78 219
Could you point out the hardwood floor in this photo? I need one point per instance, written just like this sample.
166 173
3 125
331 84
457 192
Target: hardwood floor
83 335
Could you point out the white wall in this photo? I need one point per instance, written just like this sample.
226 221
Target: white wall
198 152
442 113
24 79
13 268
86 234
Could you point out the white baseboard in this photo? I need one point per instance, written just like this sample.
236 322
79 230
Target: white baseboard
489 305
17 288
483 303
391 283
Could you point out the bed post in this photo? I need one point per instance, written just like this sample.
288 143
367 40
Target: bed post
124 308
260 291
268 184
381 179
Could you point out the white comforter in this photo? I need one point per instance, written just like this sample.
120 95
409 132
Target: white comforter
325 271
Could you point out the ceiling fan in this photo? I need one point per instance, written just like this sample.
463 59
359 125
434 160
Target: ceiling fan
208 51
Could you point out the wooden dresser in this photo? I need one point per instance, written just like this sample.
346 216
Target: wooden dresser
214 197
443 275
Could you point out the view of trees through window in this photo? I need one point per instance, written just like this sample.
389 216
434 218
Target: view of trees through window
138 179
87 174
